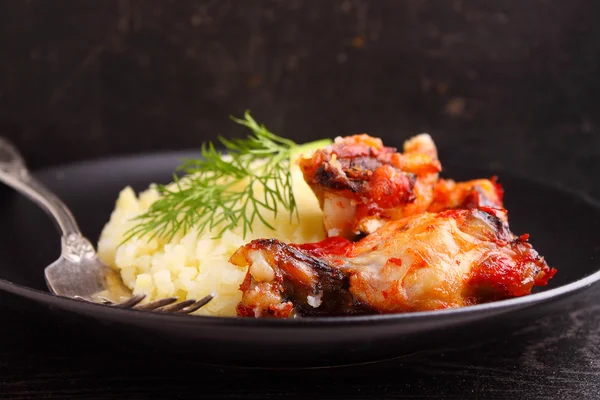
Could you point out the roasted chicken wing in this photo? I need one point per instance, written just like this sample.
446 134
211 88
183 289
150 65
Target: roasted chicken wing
479 193
426 261
360 183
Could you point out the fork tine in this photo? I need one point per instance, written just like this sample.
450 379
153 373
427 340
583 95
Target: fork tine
162 305
196 306
153 305
132 301
177 306
106 301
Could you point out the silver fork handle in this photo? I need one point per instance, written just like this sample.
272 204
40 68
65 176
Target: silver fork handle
14 172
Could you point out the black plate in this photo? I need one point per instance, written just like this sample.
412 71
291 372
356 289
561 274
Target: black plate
563 228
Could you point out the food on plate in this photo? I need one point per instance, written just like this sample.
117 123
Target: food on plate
426 261
344 227
484 194
360 183
191 262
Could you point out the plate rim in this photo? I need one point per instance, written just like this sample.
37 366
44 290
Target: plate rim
371 319
500 305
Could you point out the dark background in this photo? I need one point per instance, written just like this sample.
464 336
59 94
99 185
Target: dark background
506 84
511 85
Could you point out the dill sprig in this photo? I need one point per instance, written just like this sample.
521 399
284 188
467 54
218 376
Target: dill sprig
217 191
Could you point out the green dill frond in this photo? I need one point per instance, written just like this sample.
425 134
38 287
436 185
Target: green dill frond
217 192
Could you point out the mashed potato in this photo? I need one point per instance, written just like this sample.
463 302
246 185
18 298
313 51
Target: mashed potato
192 266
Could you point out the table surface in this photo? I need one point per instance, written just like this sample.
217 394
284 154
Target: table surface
513 86
556 357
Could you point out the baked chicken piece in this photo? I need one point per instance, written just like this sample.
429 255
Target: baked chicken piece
485 194
422 262
360 183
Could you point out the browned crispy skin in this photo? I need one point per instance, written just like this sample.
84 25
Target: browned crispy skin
478 193
423 262
297 275
430 244
360 183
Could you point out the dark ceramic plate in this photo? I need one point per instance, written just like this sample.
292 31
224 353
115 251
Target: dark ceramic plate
563 228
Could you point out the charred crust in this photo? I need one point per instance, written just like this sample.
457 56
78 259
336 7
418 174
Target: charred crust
314 262
361 165
412 181
345 283
331 178
360 307
359 236
500 228
491 219
332 284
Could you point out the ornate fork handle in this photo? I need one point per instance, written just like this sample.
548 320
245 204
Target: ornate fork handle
14 172
77 251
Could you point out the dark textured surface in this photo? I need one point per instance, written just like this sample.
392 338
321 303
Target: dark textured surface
511 84
554 358
507 84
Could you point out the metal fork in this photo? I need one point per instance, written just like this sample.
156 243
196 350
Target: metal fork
79 273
